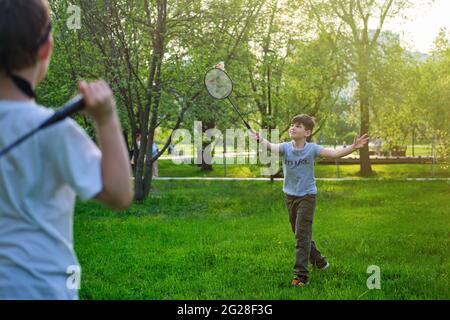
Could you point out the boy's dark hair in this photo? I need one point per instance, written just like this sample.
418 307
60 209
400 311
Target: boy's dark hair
307 121
23 25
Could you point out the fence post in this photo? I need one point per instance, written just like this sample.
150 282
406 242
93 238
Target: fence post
225 156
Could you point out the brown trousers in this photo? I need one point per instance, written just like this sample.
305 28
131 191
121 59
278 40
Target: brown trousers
301 215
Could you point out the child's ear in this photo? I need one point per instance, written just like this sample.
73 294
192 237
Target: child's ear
45 50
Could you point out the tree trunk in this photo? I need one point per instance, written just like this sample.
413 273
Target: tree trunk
159 47
206 167
143 178
364 160
138 184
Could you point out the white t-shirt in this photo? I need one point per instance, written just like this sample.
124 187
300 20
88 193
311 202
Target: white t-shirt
39 181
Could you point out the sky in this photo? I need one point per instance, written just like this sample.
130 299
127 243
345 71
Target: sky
422 26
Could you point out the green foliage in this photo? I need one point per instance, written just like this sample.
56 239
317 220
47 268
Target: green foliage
281 65
394 106
434 96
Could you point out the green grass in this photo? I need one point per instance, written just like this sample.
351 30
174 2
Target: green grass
384 171
232 240
420 150
168 169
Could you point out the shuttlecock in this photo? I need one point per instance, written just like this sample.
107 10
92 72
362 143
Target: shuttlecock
221 65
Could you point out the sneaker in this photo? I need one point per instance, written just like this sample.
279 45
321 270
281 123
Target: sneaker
300 281
321 264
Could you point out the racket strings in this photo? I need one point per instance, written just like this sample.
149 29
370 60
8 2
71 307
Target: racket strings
218 84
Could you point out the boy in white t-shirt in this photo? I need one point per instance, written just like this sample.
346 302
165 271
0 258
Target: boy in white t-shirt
39 180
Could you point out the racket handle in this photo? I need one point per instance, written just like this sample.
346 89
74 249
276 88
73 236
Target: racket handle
71 107
256 134
74 105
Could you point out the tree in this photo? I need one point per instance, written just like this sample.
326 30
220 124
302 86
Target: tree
349 21
220 36
433 96
314 81
395 113
133 41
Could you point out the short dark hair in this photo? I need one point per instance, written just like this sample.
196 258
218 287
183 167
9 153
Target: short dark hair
23 24
307 121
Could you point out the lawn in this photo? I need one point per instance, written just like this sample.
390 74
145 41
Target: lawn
232 240
389 171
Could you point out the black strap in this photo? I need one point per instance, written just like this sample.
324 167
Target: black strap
22 84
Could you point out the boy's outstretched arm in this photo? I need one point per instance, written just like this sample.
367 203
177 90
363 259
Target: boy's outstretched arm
336 154
266 144
116 170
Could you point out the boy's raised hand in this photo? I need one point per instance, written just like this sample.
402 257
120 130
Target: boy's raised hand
99 100
254 135
360 142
